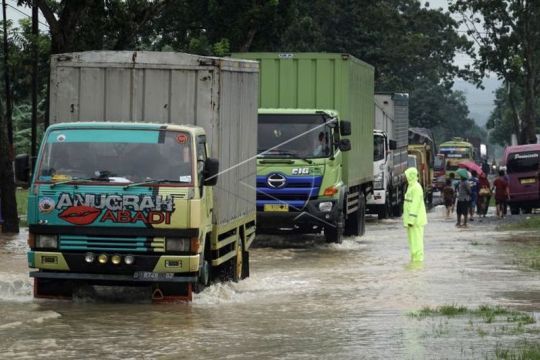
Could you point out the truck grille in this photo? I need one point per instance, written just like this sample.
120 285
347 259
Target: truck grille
110 244
297 191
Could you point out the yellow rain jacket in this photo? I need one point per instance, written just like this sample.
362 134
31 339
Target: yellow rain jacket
414 215
414 209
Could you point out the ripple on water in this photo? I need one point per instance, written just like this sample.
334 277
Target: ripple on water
15 287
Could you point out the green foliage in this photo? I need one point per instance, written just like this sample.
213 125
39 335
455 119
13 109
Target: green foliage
411 45
507 33
502 118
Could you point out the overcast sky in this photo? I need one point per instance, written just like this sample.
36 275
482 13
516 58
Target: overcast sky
480 102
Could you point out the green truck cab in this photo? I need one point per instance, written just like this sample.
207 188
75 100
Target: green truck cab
164 206
315 143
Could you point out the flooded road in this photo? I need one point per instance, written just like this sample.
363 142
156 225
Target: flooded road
305 299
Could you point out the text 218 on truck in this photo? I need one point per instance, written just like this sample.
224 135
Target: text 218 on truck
126 189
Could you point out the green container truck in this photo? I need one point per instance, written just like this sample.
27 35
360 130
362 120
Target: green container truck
315 142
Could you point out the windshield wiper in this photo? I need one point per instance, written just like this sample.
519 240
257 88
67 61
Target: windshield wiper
75 180
156 181
279 152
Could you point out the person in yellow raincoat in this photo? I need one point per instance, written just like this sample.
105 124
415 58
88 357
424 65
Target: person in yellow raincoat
414 215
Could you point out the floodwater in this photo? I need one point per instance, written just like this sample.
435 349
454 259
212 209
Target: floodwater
304 300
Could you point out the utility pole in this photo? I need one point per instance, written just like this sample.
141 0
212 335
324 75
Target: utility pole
7 83
35 35
8 203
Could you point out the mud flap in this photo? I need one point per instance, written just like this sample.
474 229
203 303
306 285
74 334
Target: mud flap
53 289
163 293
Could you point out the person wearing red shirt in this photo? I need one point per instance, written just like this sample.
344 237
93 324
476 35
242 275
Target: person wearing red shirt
501 193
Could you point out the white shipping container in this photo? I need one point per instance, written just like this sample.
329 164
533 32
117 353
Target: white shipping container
217 94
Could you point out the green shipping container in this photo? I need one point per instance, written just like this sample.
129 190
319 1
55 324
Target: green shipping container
324 81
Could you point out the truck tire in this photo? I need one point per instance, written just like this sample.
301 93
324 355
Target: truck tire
386 210
238 261
397 208
203 280
353 223
334 233
514 210
430 198
362 214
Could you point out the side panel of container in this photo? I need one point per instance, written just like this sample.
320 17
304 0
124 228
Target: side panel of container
360 111
223 102
324 81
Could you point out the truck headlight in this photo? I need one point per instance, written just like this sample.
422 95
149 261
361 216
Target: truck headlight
178 244
47 241
378 181
326 206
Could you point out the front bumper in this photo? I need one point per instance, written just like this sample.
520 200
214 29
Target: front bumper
378 197
310 216
72 266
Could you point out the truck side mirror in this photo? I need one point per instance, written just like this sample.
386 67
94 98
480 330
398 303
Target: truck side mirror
211 170
344 145
392 144
345 128
22 168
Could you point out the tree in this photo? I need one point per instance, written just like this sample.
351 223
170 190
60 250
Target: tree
7 188
403 40
506 33
505 118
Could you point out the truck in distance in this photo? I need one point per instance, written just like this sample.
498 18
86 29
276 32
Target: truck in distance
390 140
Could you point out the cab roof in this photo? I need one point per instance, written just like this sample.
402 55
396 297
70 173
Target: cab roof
283 111
126 125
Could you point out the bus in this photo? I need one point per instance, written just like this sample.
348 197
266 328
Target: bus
523 171
455 152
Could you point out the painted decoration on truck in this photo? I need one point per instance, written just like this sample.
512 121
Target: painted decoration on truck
86 209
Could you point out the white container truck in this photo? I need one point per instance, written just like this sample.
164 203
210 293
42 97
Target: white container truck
390 140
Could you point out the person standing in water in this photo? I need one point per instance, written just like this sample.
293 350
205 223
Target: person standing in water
414 215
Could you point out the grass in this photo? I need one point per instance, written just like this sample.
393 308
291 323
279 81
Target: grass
532 223
524 351
22 205
488 313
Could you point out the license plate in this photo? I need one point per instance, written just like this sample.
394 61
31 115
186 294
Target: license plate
148 275
276 207
527 181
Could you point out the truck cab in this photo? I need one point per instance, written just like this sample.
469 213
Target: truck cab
424 165
299 168
381 201
121 203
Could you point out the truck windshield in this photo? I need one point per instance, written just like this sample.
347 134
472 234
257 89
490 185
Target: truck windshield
378 147
114 156
456 152
523 162
439 163
301 136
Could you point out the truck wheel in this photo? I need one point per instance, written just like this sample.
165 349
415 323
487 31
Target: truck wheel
352 224
334 234
430 198
514 210
204 277
386 210
397 209
238 269
362 215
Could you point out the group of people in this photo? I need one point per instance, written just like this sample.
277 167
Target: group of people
470 195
